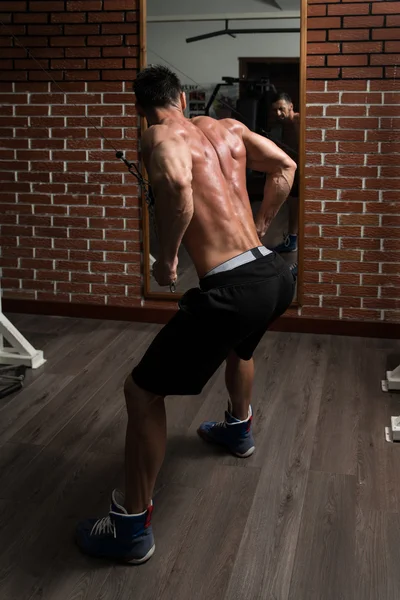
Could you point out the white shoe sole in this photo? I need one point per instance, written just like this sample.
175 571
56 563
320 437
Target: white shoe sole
140 561
246 454
211 441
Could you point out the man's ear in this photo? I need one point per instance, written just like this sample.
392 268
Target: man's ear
183 101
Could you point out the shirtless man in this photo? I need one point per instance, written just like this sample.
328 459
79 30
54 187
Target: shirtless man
197 171
289 120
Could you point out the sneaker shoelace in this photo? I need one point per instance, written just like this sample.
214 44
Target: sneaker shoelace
220 424
224 424
102 526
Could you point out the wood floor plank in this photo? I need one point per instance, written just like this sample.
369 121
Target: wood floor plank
335 448
14 459
55 346
28 402
378 461
7 512
324 566
210 547
48 526
392 552
377 556
96 405
87 347
52 474
264 562
16 318
52 418
49 334
70 580
42 323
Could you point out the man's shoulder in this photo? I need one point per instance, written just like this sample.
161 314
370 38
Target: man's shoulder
154 139
230 125
155 134
201 119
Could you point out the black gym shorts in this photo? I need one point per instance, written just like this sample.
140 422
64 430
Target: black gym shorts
230 310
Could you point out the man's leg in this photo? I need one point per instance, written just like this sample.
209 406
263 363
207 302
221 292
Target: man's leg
239 376
145 445
170 366
126 533
235 432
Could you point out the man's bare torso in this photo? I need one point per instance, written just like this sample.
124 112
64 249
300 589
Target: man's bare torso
222 225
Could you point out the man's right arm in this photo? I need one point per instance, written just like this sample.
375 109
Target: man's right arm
265 156
168 163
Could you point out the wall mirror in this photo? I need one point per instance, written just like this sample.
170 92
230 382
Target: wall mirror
233 57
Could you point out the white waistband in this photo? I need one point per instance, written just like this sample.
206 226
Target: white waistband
239 260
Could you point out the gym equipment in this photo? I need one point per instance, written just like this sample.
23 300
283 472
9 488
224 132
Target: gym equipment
235 32
392 381
19 351
13 381
226 82
15 357
392 384
253 106
392 433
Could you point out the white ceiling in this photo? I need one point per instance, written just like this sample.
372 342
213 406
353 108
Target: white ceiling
218 7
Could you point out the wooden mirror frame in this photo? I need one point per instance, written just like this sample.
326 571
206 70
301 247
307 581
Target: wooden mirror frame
147 293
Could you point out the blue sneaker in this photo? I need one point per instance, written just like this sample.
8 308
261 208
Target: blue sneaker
118 536
234 434
289 244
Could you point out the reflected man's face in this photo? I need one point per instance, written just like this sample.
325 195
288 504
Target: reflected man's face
282 110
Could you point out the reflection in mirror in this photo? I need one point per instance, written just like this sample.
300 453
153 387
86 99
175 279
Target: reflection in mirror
237 59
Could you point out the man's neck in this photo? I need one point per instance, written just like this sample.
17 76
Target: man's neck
159 115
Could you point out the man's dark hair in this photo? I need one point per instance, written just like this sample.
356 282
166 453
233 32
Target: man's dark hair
157 86
282 96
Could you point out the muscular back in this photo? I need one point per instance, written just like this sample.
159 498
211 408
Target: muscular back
222 223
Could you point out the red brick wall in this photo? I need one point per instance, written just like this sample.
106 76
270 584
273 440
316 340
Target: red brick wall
71 228
71 221
352 210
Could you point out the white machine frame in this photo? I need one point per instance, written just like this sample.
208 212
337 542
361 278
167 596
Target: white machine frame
391 384
20 352
392 381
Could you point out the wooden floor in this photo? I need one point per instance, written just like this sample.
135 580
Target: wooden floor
314 514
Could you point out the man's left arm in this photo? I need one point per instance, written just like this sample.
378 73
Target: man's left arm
170 175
